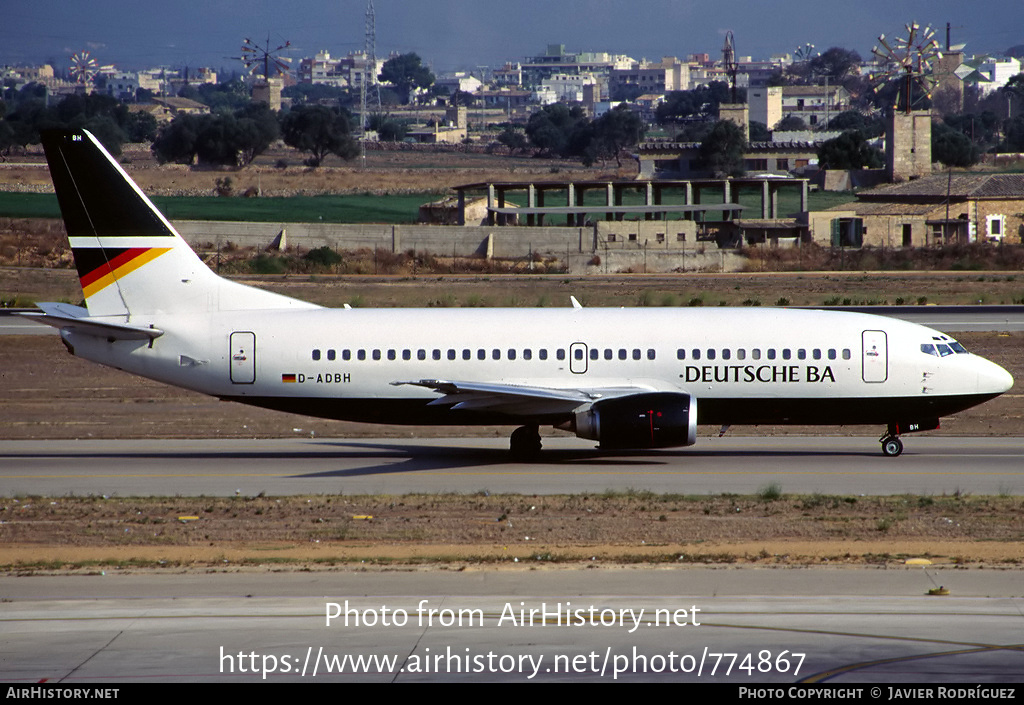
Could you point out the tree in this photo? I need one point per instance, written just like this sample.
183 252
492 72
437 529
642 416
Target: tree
721 152
1014 141
835 63
856 120
849 151
702 101
514 139
319 131
176 141
759 132
614 131
952 147
791 123
551 128
406 72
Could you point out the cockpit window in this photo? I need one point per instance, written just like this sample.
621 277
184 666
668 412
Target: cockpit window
929 349
944 350
957 348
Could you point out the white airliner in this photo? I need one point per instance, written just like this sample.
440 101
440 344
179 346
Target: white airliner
627 378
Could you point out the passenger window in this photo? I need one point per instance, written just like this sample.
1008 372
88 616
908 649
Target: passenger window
636 353
741 354
695 354
467 354
437 354
361 354
560 354
393 354
623 355
511 354
816 353
594 353
608 354
495 354
831 353
786 353
846 353
711 353
346 354
801 354
726 354
406 354
542 353
650 353
452 355
421 354
578 354
330 354
756 353
771 353
481 354
376 354
316 354
680 354
527 354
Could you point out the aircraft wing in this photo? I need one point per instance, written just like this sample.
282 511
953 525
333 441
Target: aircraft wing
76 318
519 400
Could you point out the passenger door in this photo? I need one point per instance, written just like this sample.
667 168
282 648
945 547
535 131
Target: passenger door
875 356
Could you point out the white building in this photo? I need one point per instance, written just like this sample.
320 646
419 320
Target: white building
568 87
994 73
459 81
345 72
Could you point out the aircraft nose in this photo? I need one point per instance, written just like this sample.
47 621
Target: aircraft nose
993 379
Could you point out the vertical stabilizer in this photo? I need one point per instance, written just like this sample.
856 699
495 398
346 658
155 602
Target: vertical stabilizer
130 259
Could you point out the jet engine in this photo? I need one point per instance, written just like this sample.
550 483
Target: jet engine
648 420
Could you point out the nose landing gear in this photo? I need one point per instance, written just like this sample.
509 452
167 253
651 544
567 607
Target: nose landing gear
891 443
891 446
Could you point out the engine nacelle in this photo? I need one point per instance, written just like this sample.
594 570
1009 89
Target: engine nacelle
650 420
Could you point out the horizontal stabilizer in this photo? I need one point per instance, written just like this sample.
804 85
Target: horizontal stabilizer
75 318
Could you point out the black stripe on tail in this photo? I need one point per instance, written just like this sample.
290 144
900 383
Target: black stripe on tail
95 198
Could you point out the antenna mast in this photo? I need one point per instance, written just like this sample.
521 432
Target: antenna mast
369 93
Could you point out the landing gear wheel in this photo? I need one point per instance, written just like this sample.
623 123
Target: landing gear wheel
525 443
892 446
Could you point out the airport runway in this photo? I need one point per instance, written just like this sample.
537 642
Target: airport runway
931 465
740 626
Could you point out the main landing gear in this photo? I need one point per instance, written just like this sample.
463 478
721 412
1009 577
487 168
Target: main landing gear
525 443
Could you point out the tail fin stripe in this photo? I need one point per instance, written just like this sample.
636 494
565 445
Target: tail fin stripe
118 267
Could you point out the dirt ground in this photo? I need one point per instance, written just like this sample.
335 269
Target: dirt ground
456 531
383 172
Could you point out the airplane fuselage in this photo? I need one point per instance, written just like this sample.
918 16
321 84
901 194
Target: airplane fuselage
744 366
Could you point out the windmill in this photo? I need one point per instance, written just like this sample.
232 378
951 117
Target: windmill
729 62
256 57
83 68
908 60
804 53
261 59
